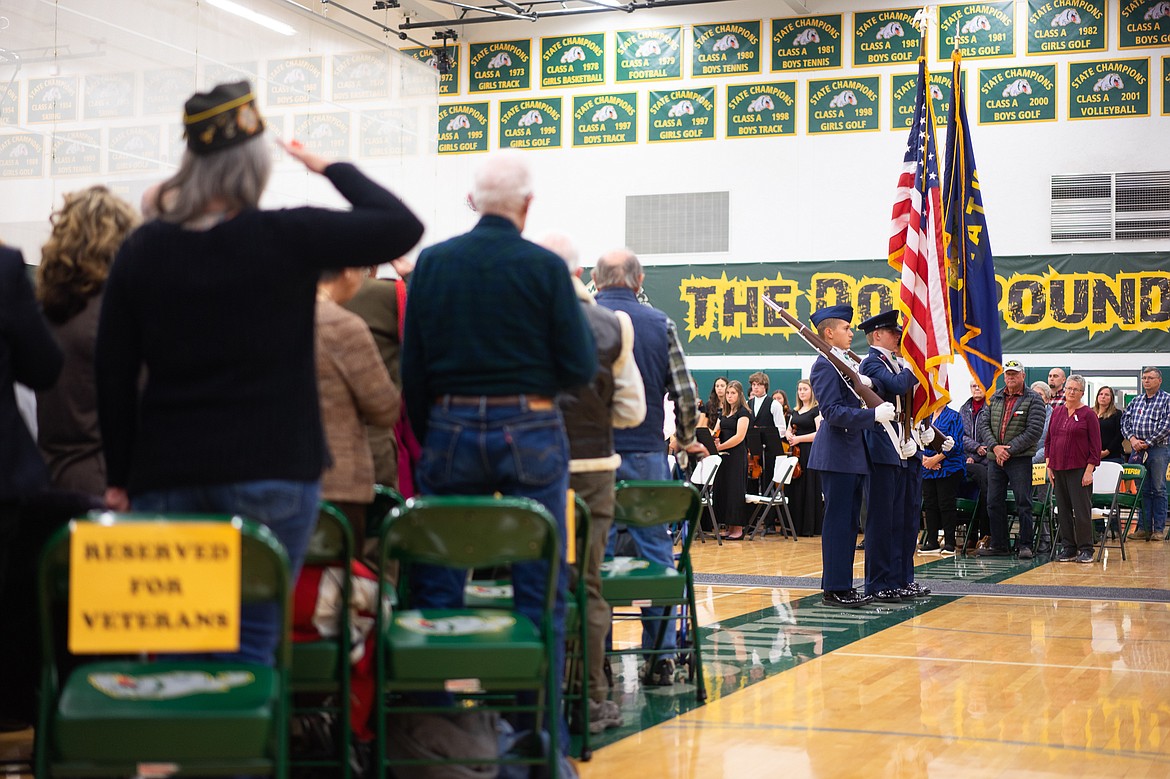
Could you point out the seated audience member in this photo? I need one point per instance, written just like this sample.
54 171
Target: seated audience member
1045 392
87 231
355 391
1105 407
804 493
975 480
614 399
730 432
942 474
1146 424
1010 428
213 302
1074 452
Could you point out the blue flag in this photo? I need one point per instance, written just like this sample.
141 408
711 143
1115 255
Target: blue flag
974 297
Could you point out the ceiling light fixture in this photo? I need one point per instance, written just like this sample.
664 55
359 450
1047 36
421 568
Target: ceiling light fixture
253 16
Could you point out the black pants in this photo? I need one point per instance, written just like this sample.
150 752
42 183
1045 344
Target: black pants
938 502
1074 506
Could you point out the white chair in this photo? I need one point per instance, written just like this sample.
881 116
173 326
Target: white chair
774 499
704 480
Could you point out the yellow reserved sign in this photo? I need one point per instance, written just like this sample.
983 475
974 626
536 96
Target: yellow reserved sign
154 587
1039 474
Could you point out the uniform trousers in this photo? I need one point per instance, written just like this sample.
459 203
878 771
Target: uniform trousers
885 515
843 498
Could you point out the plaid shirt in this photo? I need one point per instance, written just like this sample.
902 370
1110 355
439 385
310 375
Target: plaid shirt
1148 418
680 383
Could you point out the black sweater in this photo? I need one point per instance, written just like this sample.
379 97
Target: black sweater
222 322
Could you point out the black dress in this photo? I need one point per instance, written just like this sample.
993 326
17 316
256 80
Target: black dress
729 481
804 493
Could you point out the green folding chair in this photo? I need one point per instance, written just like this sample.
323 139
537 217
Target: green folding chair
386 499
177 717
320 676
468 653
1126 500
633 581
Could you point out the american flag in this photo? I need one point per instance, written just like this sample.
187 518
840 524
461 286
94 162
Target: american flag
916 252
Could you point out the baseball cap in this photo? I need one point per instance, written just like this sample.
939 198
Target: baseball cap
1013 365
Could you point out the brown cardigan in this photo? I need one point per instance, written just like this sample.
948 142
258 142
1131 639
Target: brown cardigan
355 390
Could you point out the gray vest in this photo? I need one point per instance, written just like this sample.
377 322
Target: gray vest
588 409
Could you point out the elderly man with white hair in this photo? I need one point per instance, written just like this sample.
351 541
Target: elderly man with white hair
493 332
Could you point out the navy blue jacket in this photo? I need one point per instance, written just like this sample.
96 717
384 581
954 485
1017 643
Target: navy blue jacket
890 387
839 445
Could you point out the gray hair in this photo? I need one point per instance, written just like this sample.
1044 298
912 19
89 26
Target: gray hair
237 175
1076 378
618 268
1043 389
502 185
1153 370
560 245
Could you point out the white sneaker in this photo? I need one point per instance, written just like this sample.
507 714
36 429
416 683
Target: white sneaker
604 715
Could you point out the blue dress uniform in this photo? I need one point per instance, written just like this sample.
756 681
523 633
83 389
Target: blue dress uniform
895 493
840 457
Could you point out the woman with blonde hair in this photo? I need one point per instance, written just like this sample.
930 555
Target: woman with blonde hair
804 494
87 231
1105 407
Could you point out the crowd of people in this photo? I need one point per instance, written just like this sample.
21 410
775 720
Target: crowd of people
218 357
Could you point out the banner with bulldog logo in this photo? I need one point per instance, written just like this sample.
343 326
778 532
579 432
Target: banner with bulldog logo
985 30
501 66
1017 94
726 49
682 115
649 55
326 134
134 149
294 81
76 153
388 132
843 105
572 60
885 37
806 43
1166 86
22 156
51 100
531 124
10 102
1144 23
463 128
164 91
229 73
109 96
428 55
605 120
905 90
1066 26
761 110
1109 88
362 75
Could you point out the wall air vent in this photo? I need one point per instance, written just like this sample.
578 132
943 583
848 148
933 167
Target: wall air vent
683 223
1111 206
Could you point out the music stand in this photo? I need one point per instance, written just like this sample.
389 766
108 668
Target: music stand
703 436
755 443
773 445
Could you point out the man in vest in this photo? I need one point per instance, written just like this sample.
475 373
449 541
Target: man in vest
614 399
765 413
662 365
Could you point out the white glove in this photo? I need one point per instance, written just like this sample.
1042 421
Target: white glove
925 434
909 447
884 413
867 381
948 444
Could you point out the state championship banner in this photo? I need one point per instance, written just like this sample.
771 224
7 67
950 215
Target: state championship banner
1084 303
978 30
1069 26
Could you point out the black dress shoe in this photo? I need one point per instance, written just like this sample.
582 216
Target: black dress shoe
916 590
888 596
846 599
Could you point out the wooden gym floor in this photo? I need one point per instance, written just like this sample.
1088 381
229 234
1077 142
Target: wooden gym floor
1016 669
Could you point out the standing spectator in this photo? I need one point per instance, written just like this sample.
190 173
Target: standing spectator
87 231
730 432
1045 392
709 414
355 391
614 399
1146 423
1010 427
618 277
1056 380
493 332
1074 438
804 495
976 464
764 412
1105 407
215 300
942 474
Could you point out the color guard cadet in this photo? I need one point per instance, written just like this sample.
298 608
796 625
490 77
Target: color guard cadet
840 457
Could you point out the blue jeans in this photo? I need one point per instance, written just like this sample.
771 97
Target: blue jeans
653 543
513 450
288 508
1016 473
1154 490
